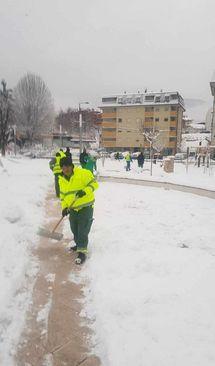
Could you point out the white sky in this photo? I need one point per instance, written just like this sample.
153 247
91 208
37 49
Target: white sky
85 49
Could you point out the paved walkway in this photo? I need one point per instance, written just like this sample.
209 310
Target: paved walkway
54 334
177 187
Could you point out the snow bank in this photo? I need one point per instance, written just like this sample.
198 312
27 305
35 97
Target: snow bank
196 177
23 185
151 272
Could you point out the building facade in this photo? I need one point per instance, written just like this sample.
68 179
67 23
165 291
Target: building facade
212 85
127 118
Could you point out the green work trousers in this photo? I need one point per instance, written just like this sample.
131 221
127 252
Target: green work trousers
57 188
80 223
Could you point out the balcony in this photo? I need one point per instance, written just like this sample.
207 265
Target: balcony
109 115
108 124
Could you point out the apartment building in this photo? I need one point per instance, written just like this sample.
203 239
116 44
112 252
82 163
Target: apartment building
127 118
212 85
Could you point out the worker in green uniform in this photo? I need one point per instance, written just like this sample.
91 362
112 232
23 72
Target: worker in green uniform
77 188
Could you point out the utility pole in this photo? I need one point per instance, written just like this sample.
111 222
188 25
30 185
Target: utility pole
81 126
60 136
80 129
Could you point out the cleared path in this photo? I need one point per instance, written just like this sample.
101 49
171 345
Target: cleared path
54 333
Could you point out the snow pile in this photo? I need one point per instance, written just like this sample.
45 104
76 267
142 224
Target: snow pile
196 177
23 185
151 271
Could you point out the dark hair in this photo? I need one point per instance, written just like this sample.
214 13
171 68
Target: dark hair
66 162
57 154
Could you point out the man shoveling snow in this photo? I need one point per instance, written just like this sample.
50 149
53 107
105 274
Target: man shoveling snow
77 188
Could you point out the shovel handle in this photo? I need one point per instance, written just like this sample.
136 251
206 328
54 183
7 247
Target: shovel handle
58 223
61 219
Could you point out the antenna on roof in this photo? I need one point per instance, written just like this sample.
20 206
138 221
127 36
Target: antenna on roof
124 92
138 92
145 90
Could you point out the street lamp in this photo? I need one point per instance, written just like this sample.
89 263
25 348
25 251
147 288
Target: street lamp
80 125
14 132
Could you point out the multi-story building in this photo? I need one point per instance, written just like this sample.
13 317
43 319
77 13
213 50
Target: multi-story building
212 85
126 118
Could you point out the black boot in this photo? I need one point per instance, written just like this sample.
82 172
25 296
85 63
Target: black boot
73 249
80 258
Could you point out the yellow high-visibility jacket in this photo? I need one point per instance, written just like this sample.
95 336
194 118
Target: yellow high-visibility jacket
82 179
62 154
57 169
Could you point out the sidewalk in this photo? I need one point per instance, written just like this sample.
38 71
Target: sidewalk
54 334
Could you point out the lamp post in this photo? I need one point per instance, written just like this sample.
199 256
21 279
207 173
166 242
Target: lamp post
81 125
14 131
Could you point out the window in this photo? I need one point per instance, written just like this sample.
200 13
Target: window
137 140
166 119
156 119
109 119
173 108
119 131
137 100
109 139
172 128
149 119
172 119
157 99
108 129
174 96
109 100
119 119
149 98
166 99
129 100
172 139
149 109
157 109
108 110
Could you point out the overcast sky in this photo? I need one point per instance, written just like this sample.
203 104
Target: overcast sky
85 49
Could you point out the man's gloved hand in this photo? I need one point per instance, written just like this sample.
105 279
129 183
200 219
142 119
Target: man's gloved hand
80 194
65 212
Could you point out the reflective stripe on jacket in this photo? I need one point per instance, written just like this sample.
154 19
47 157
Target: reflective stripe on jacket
82 179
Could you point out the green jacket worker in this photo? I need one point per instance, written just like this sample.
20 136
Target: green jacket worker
77 188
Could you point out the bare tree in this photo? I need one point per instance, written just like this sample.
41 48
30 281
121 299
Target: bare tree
6 111
34 109
69 120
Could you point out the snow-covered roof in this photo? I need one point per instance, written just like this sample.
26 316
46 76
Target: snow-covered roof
147 99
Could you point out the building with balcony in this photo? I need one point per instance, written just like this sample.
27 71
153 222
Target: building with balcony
126 118
212 85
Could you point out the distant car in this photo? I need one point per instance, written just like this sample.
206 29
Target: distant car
135 155
116 155
180 156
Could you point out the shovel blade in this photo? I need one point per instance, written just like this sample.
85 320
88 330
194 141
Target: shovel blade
48 234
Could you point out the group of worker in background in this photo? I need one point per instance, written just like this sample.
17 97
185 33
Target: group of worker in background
128 159
75 187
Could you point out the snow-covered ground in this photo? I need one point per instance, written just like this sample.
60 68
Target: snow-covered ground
23 186
196 177
151 277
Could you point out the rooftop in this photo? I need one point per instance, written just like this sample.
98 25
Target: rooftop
147 98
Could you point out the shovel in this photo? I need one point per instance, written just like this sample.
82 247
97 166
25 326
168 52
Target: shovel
53 234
